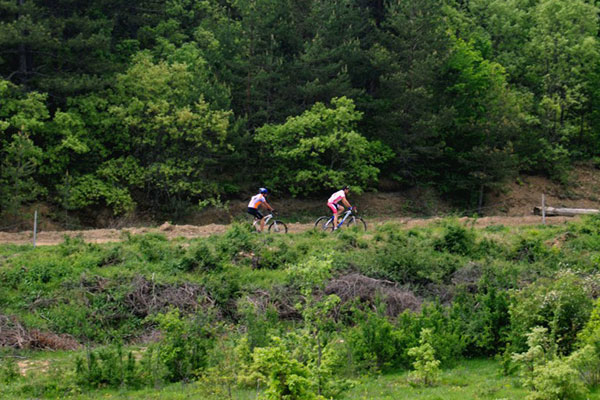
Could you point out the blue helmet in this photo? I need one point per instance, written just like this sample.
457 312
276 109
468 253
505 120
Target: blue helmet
263 191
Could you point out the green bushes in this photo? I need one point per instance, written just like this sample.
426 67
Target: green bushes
561 305
479 293
108 367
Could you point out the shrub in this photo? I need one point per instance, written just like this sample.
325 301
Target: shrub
586 360
426 366
240 237
485 320
456 239
107 368
184 346
311 273
556 380
561 305
199 256
376 344
285 377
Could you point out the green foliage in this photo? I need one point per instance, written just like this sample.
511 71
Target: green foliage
556 381
456 239
426 367
485 318
108 367
376 344
561 305
9 370
285 377
199 257
312 273
586 360
545 374
184 347
321 149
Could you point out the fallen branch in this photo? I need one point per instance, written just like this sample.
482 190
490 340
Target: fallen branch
564 212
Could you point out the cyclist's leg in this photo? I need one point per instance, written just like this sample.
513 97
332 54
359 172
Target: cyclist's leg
257 216
262 223
334 209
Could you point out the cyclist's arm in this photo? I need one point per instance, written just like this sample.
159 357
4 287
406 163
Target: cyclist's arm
268 206
346 203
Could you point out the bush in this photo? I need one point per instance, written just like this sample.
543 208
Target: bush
199 256
107 368
556 380
456 239
562 306
184 347
485 320
285 377
426 366
376 344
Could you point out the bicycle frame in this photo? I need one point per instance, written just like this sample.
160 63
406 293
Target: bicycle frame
340 223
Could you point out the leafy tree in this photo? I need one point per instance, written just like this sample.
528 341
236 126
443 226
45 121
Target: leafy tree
21 159
166 137
564 51
320 150
478 153
21 117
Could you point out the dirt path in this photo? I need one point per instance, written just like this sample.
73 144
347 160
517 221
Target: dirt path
193 231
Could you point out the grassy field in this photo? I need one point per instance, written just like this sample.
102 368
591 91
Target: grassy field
468 379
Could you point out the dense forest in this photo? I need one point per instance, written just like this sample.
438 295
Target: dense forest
169 105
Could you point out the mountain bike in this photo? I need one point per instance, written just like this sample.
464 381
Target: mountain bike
272 225
349 219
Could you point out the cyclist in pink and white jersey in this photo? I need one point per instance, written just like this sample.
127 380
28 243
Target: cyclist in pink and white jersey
255 202
334 206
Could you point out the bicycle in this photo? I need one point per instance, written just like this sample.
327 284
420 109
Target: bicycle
272 225
349 218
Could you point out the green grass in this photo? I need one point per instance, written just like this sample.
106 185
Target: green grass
470 379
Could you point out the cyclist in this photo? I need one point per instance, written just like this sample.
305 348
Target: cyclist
334 206
256 201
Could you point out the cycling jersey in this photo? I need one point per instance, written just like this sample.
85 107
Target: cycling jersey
256 201
336 197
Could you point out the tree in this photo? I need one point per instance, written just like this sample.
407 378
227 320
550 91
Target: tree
407 112
563 51
21 115
321 150
486 116
166 137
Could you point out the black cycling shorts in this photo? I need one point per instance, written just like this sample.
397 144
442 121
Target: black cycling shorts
255 212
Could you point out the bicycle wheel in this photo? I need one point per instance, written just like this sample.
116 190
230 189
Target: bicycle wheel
357 222
324 224
277 227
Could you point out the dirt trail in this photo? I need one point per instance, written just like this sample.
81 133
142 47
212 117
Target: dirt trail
194 231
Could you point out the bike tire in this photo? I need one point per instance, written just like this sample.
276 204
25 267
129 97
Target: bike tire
277 227
323 224
357 222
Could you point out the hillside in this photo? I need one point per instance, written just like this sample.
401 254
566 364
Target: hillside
416 207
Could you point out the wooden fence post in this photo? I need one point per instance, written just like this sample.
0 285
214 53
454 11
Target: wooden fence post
34 227
543 209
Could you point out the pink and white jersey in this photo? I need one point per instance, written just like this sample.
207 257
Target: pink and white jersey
256 201
337 197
